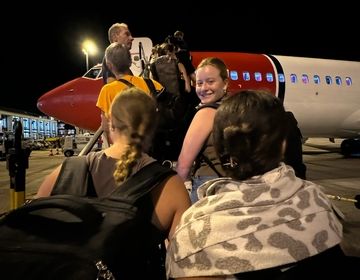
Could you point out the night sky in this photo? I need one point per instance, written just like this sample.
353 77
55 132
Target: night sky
41 50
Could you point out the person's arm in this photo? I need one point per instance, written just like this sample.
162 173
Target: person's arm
103 104
185 76
199 130
171 201
106 129
104 122
48 184
193 79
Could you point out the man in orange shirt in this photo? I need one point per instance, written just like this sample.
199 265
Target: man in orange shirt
118 60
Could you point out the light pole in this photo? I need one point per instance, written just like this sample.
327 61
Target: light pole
86 58
88 48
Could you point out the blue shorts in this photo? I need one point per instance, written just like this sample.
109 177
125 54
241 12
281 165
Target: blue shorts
197 181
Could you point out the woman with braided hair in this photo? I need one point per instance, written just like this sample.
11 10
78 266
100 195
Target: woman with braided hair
132 124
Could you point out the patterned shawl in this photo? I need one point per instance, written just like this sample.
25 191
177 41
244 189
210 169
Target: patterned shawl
263 222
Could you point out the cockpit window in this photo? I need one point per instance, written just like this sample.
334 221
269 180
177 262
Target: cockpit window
94 73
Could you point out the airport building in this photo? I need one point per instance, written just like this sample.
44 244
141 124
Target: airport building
34 127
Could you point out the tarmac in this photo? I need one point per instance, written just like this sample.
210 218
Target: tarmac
40 165
339 177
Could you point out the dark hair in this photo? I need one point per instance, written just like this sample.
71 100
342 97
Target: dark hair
249 131
175 41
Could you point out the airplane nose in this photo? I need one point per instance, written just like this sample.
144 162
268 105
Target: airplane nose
73 103
56 103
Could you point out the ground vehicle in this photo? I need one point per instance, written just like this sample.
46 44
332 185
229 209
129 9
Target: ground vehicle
74 144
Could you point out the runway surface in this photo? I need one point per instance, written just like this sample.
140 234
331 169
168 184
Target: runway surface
339 176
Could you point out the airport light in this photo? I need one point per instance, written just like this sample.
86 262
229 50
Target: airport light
88 48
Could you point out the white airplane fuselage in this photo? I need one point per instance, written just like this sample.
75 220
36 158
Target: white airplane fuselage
323 110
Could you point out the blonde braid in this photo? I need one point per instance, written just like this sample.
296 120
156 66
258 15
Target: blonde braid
128 159
134 114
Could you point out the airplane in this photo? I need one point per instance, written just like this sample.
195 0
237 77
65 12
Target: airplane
323 94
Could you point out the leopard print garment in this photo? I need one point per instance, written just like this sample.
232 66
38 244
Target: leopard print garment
240 226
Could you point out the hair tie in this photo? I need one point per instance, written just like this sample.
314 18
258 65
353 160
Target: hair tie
232 163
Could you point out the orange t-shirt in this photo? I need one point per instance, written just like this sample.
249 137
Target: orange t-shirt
109 91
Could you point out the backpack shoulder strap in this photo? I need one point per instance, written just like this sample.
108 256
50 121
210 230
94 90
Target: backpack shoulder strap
201 157
126 82
214 105
152 88
74 178
209 163
143 181
150 85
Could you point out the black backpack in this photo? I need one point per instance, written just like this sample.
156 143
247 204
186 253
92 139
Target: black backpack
165 70
175 116
73 236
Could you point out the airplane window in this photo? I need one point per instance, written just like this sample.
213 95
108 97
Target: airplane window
316 79
293 78
246 76
234 75
328 80
269 77
348 81
338 80
281 78
258 76
305 78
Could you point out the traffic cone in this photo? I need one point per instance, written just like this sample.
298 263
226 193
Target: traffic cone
51 153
